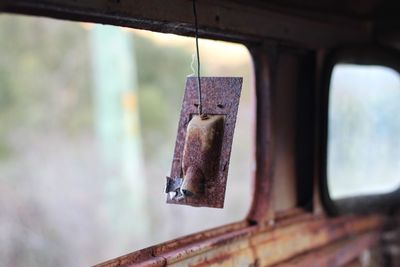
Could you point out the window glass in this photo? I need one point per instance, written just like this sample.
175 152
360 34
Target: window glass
88 120
364 130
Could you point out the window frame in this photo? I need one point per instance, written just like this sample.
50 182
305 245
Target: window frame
359 55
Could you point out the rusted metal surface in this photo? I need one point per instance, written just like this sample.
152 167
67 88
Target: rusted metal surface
260 246
201 154
203 145
261 210
390 241
223 19
337 254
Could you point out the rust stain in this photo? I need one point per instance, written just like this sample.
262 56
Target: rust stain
201 155
220 258
252 245
274 245
335 254
202 158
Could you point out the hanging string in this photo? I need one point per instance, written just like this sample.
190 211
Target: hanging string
198 58
192 66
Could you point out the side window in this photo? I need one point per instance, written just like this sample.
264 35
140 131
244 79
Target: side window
88 120
363 131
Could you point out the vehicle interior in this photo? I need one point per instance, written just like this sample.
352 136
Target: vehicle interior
320 130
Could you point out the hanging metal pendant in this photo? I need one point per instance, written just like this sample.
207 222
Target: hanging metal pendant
203 145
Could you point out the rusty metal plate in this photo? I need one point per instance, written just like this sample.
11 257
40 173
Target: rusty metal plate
220 102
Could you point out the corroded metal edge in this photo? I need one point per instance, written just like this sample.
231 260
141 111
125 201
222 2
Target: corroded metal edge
176 17
241 244
337 254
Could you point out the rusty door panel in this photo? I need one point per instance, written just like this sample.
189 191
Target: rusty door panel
264 245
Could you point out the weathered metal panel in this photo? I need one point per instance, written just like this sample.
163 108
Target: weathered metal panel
261 209
336 254
255 245
223 19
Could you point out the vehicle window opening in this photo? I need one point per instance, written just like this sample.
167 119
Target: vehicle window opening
87 125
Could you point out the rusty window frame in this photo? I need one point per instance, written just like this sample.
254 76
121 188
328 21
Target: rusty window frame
360 55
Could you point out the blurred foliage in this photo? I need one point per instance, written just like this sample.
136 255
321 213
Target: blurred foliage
160 94
38 56
50 169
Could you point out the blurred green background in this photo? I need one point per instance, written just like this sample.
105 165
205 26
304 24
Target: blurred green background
88 118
